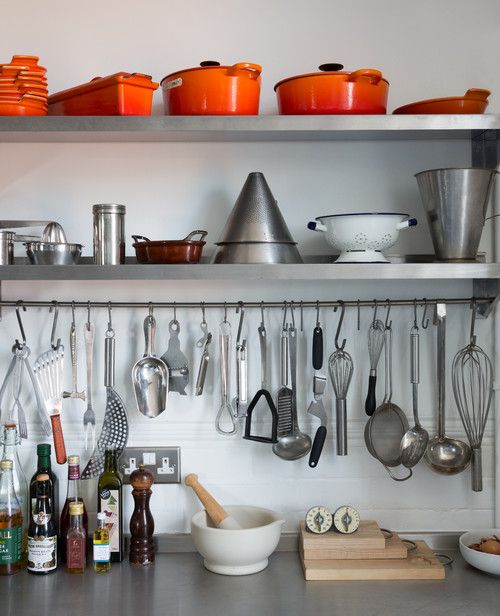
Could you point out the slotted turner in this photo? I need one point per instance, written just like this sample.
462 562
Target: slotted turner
114 431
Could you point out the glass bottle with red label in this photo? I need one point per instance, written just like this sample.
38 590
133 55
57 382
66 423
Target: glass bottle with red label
76 540
73 496
109 501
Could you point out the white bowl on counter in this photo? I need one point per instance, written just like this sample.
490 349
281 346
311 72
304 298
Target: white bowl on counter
361 237
237 552
481 560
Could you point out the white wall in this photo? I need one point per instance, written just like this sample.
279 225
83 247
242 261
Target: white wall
170 189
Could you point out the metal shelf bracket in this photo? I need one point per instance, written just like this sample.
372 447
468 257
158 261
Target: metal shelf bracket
482 288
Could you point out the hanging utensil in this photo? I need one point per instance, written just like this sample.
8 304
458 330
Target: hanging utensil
115 429
225 407
341 368
202 370
204 328
89 415
74 361
284 397
150 375
445 455
240 402
175 359
16 392
415 441
262 393
472 378
317 408
376 339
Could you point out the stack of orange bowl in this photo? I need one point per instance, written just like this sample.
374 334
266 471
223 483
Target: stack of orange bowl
23 87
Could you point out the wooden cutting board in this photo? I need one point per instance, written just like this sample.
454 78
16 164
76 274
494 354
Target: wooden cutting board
394 548
421 564
367 537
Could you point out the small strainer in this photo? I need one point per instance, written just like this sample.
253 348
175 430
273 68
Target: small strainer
388 424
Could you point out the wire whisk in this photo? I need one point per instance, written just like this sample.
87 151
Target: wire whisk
472 378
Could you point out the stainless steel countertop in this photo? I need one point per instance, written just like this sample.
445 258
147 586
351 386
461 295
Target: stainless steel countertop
178 585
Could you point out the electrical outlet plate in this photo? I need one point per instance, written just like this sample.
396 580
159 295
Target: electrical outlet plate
163 462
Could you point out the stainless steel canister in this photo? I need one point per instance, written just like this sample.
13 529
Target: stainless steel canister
7 247
109 234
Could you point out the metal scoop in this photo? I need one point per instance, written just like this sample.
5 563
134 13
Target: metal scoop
150 376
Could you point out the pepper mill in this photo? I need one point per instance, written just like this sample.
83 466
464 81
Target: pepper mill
142 525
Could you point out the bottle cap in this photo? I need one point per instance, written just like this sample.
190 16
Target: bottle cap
101 515
73 459
76 509
43 449
42 477
6 465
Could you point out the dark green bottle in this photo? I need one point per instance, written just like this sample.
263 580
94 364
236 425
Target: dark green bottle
109 501
42 534
44 467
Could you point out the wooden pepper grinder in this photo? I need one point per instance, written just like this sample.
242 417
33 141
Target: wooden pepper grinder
142 525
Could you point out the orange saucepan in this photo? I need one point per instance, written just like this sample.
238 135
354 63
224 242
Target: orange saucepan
474 100
211 89
333 91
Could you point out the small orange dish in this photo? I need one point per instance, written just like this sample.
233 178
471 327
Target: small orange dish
474 100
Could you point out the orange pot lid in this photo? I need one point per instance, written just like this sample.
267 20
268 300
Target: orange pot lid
332 69
207 65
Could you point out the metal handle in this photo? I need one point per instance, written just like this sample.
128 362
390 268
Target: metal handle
285 357
225 350
477 470
149 335
292 336
73 351
441 366
317 348
263 356
89 334
109 362
341 420
200 232
415 356
202 370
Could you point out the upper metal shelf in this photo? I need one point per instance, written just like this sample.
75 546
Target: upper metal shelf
244 128
307 271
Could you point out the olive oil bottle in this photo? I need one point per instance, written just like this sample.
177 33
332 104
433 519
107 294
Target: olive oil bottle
109 502
102 562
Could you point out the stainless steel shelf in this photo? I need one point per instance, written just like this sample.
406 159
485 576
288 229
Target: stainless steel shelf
244 128
308 271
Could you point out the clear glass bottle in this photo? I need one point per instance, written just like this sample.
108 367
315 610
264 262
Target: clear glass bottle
102 562
72 496
11 442
42 533
109 501
44 466
11 523
76 540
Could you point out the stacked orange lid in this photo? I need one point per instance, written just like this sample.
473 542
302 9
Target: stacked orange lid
23 87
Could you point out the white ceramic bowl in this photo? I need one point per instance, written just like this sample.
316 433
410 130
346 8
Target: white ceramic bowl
486 562
237 552
361 237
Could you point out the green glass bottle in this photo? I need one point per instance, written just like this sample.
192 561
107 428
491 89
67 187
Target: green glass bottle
109 501
42 532
44 467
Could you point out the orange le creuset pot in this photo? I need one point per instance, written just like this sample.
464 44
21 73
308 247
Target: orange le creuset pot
212 89
333 91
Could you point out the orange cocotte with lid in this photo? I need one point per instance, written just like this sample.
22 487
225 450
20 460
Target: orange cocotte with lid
333 91
212 89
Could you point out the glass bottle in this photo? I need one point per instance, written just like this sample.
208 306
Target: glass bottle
11 523
102 563
42 533
44 467
110 502
76 540
11 440
72 496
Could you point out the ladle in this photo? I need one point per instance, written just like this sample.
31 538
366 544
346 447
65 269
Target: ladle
445 455
414 442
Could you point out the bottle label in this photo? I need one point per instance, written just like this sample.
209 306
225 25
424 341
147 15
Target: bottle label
10 545
73 471
110 505
75 556
102 553
42 553
40 518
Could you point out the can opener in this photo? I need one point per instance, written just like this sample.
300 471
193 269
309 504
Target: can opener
176 360
317 408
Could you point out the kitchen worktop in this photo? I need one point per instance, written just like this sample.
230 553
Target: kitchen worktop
179 585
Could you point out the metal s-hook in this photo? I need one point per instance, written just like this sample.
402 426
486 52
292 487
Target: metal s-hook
203 320
301 315
225 312
262 314
241 310
175 312
19 304
110 332
292 313
415 324
358 305
73 313
285 308
473 322
388 324
150 306
339 326
88 315
318 324
375 307
55 309
425 322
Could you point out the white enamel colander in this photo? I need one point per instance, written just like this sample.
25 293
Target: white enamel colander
362 237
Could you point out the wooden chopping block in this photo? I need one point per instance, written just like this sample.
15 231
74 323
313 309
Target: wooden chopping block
367 537
421 564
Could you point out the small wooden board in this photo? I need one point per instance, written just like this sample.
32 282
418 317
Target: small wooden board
421 564
367 537
394 548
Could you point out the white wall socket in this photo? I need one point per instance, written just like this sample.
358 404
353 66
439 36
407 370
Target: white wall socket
163 462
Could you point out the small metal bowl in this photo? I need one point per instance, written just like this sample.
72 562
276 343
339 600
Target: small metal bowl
48 253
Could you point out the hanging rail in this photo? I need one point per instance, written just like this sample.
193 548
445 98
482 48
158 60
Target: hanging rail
364 303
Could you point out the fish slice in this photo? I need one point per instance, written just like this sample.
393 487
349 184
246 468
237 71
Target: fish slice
114 431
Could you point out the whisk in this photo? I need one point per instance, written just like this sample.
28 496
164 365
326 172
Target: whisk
472 377
376 339
340 366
